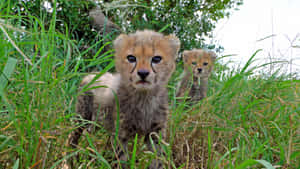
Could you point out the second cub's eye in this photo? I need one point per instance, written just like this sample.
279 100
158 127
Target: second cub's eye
131 59
205 63
156 59
194 63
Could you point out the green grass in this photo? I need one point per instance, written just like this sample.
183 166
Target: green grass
246 121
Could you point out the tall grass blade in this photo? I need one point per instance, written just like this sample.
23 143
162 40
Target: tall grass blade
100 158
5 141
16 165
250 61
209 144
6 73
65 158
267 37
164 28
252 162
225 155
266 164
132 161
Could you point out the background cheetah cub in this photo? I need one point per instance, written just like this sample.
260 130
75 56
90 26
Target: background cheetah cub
144 61
198 65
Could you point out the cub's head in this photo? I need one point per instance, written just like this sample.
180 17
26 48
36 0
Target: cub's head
199 61
146 59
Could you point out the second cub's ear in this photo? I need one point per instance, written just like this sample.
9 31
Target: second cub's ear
174 42
120 41
213 55
185 56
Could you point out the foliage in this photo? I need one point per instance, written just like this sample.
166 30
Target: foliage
191 21
71 16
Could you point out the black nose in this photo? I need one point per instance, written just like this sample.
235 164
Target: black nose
143 73
199 70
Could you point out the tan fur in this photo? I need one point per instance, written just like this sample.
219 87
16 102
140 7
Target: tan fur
194 60
107 84
143 102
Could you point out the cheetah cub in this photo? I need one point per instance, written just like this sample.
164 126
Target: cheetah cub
198 65
144 62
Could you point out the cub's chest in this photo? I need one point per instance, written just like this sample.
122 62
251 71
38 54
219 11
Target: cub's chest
141 114
139 107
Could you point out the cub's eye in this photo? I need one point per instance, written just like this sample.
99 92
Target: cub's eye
205 63
194 63
156 59
131 59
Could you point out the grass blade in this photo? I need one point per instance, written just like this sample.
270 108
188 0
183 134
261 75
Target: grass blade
8 70
5 141
98 155
66 157
250 61
251 162
266 164
132 161
225 155
16 165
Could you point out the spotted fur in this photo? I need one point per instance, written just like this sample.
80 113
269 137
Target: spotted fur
140 85
198 65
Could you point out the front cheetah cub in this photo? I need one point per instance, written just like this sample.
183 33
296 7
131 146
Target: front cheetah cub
198 65
144 61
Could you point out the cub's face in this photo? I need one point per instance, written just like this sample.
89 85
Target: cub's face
199 61
146 59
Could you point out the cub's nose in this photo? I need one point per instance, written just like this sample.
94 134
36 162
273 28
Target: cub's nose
199 70
143 73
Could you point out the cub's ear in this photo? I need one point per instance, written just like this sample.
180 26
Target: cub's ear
174 42
185 56
213 55
119 41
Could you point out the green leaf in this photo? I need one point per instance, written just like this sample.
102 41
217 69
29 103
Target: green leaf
266 164
251 162
16 165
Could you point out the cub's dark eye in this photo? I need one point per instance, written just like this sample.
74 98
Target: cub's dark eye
156 59
194 63
205 63
131 59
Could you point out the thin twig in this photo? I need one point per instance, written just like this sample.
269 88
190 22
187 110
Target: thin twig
17 48
157 136
2 22
188 154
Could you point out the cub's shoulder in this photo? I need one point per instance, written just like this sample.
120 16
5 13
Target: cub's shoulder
105 87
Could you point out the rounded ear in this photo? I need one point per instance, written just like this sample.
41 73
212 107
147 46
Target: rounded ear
119 41
213 55
174 42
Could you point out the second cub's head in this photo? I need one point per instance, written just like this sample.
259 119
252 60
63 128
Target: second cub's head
146 59
199 61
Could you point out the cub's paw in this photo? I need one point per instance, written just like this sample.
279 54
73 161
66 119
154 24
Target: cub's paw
156 164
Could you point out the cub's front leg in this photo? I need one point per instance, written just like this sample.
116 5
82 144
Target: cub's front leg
159 132
121 147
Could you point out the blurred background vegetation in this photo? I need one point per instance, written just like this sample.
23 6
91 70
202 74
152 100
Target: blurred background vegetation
191 21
